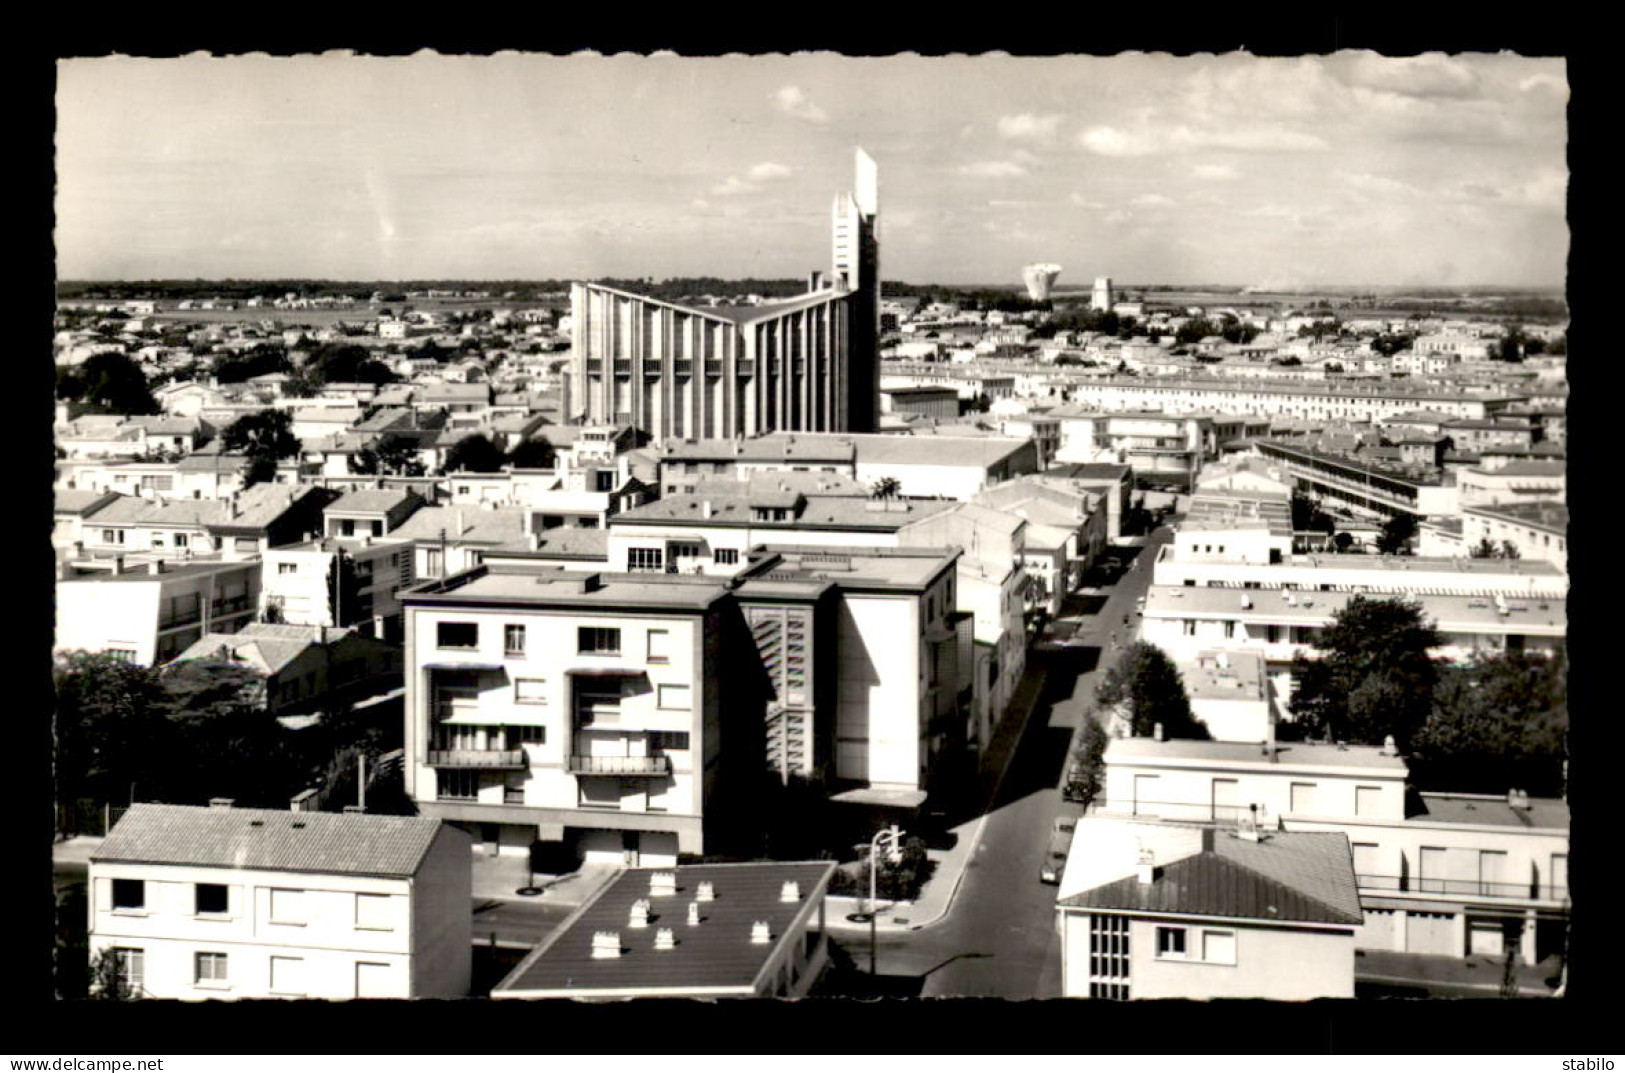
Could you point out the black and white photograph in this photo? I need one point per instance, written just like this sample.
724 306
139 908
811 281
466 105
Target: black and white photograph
602 526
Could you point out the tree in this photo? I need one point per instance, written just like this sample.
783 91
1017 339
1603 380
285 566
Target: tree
107 729
1145 689
1374 676
475 454
1498 722
1086 773
532 454
109 382
1307 517
886 488
1484 549
388 457
266 437
1509 550
1396 535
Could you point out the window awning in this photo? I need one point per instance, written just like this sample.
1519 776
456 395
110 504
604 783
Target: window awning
607 672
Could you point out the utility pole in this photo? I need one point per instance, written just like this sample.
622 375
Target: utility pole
891 838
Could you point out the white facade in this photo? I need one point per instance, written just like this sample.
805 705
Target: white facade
287 934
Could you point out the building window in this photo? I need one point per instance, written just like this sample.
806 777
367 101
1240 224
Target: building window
1219 947
530 691
287 568
457 635
372 913
601 640
210 968
129 894
180 540
112 536
513 640
674 696
1303 797
131 965
526 735
659 646
1367 800
458 785
726 556
287 976
123 655
287 906
664 740
1171 943
212 898
1190 627
649 560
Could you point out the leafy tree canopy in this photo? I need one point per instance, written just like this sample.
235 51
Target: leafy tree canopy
1498 722
1375 675
109 382
1145 688
475 454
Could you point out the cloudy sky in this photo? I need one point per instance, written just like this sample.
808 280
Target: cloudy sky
1351 168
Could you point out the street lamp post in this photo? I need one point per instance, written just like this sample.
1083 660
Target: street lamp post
891 837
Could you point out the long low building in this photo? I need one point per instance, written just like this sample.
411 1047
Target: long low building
1445 874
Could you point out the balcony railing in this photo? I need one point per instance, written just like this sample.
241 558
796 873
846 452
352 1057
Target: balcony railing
230 606
1476 888
620 765
477 758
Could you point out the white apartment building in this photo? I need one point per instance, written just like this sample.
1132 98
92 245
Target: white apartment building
1365 402
227 903
1444 874
1539 529
150 612
585 710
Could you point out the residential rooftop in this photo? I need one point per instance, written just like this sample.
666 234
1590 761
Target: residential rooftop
714 956
1543 514
682 592
269 840
1542 616
1542 812
1187 752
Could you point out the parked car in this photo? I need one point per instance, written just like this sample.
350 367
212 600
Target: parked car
1060 843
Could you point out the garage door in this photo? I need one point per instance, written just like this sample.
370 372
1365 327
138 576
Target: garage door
1379 932
1432 933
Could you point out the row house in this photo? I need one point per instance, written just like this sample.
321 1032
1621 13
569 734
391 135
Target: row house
1366 402
1444 874
150 612
227 903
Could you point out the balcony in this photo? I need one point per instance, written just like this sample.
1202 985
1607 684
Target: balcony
1470 888
488 759
233 606
651 766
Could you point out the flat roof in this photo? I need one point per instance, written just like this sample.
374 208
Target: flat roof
1240 675
1542 513
1186 752
554 588
1543 812
908 568
1541 615
818 511
715 955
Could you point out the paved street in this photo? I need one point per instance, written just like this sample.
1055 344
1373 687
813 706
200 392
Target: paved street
998 940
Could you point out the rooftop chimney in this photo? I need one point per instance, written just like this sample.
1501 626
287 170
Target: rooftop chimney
664 939
1145 870
1388 746
790 892
155 567
760 933
662 883
705 509
1156 731
640 914
693 913
706 892
1247 824
606 944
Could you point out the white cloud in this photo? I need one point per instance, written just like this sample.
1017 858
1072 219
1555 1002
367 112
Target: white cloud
758 174
1544 81
1215 172
1152 201
1109 141
1114 142
993 169
793 100
1430 75
1026 125
768 172
1084 203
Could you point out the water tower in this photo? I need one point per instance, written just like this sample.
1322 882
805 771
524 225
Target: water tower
1039 279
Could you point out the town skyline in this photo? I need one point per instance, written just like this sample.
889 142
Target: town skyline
1349 169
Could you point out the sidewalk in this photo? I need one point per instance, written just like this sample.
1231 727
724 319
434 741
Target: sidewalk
499 879
937 893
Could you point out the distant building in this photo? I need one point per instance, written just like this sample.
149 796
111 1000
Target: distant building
1101 299
808 363
228 903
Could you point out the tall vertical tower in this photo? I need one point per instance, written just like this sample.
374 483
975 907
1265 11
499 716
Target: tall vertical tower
1102 299
855 264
